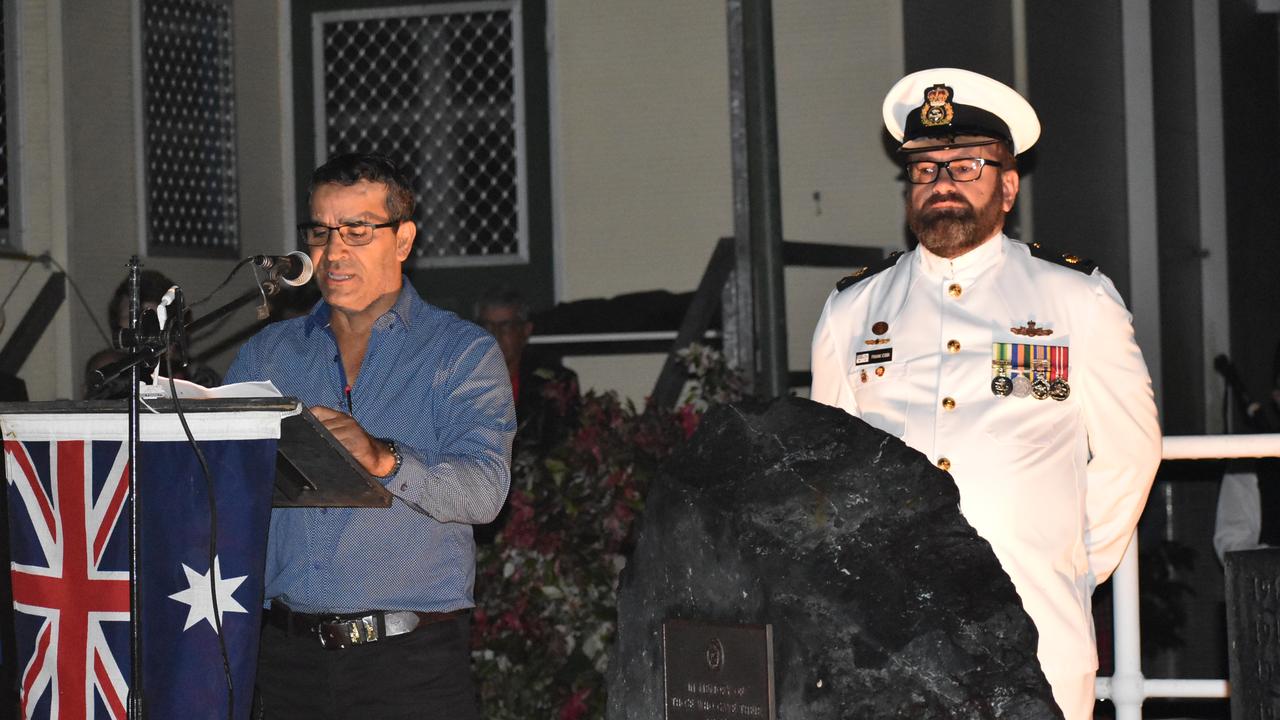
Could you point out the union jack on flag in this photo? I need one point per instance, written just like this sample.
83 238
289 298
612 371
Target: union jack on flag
70 573
69 500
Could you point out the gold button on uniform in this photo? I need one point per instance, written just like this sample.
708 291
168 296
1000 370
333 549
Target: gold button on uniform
953 346
948 403
954 290
944 463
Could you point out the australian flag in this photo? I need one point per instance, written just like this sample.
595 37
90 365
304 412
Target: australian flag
69 500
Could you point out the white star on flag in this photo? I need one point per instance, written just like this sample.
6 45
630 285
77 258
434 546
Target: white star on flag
197 595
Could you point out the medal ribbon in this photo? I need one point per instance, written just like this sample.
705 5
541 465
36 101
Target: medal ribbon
1039 360
1058 359
1023 359
1000 353
1026 359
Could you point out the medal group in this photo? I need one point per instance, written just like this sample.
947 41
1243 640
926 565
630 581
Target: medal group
1022 369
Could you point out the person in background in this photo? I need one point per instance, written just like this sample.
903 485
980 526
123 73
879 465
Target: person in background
545 390
1014 370
1248 518
152 285
1248 514
368 609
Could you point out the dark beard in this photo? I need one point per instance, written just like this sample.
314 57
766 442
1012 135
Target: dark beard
952 232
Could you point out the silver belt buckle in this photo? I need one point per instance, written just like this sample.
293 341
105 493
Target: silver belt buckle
342 634
400 623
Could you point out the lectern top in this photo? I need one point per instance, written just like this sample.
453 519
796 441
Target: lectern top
164 405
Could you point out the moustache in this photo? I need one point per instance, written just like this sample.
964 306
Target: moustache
949 197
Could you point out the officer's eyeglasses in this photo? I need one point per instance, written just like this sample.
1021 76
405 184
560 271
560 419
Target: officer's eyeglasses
357 233
926 172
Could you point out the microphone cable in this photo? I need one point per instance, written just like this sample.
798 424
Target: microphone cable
213 516
230 275
224 283
46 259
15 284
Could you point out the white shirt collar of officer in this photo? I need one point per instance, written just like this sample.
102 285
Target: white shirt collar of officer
968 265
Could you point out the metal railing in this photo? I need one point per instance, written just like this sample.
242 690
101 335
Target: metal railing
1127 688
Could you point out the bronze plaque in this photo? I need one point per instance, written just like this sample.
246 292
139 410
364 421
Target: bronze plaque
717 672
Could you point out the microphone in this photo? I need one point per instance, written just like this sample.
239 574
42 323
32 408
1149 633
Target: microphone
294 269
1227 370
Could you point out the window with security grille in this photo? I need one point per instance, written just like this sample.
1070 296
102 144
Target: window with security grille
5 241
437 88
189 123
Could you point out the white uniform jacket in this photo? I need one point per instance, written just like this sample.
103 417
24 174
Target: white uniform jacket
1056 486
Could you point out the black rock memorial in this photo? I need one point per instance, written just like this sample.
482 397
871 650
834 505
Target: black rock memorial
882 601
1253 633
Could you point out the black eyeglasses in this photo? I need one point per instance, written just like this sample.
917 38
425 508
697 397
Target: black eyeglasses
357 233
926 172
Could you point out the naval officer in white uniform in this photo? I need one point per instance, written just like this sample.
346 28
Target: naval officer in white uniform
1014 370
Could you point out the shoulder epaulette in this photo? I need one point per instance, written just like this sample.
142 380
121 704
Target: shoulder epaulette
1075 262
867 271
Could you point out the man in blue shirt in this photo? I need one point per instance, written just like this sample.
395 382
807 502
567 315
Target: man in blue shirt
368 608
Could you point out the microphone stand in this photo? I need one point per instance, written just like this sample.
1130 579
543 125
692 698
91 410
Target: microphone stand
140 352
136 708
142 349
269 287
1254 414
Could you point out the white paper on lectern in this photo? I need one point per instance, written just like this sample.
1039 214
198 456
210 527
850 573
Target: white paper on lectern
159 388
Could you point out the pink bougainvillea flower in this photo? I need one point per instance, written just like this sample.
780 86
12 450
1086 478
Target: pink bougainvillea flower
576 706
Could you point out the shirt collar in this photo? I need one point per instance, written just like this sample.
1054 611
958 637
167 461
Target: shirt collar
406 305
969 264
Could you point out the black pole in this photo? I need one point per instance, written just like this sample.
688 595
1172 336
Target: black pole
269 287
760 328
136 708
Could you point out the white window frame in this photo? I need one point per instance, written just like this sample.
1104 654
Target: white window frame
318 22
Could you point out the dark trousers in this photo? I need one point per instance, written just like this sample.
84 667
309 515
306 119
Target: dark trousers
425 674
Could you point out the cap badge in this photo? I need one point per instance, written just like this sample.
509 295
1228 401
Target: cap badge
937 108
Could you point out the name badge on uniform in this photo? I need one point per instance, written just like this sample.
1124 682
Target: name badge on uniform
1022 369
873 356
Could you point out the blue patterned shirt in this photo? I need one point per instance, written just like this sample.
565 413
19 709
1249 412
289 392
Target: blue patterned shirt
438 387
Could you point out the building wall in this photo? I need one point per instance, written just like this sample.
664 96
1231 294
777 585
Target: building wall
1080 207
37 190
103 162
641 145
640 142
834 63
1179 218
1251 100
102 159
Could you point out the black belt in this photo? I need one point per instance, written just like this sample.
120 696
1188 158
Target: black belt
337 632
